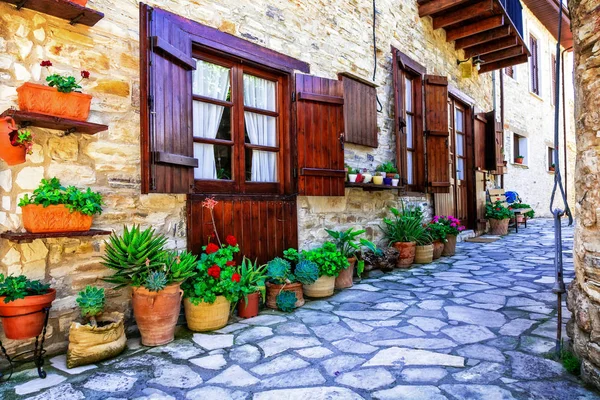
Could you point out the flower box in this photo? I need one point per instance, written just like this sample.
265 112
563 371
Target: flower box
49 101
54 218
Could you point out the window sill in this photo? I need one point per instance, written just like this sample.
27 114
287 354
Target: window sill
523 166
551 172
369 187
537 96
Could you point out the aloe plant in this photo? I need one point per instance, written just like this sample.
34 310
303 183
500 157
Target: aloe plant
91 302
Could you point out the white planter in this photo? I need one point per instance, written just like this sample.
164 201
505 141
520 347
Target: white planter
395 182
368 178
352 177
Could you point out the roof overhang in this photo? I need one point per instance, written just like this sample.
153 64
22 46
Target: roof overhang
546 11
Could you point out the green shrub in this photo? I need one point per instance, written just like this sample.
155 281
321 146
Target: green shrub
51 192
327 257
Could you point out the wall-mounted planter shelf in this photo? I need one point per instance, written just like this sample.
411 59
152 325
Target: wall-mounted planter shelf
25 119
26 237
74 13
371 187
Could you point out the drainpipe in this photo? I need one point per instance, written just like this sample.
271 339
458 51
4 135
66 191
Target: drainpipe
502 115
562 57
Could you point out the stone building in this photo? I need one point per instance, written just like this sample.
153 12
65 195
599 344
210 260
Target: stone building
143 183
529 114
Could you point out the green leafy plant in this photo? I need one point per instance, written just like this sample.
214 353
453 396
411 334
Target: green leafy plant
404 226
396 176
252 278
64 83
51 192
387 167
215 274
345 241
306 272
286 301
353 171
156 281
437 230
497 211
279 271
519 157
528 214
291 255
424 238
328 258
22 138
91 302
360 267
18 287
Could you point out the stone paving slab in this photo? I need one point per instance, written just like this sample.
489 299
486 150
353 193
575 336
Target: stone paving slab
472 326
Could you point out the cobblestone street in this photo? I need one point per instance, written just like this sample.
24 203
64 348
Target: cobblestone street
473 326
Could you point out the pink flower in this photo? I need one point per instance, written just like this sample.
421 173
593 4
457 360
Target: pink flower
209 203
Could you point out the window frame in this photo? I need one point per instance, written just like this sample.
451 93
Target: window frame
550 159
534 67
239 184
553 78
517 150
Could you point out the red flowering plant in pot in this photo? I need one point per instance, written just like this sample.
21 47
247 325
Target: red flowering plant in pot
14 144
61 98
453 228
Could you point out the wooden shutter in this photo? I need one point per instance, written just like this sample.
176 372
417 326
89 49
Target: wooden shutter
166 104
494 159
320 130
360 111
479 134
535 74
436 122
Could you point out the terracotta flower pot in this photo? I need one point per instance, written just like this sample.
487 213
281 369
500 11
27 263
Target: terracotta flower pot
344 279
449 246
12 155
407 253
438 248
20 326
80 2
520 218
205 316
323 287
499 226
49 101
424 254
40 219
519 160
156 313
249 309
390 175
273 290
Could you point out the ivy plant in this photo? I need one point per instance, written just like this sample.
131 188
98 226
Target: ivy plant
51 192
18 287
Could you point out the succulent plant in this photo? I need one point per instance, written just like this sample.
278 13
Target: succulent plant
286 301
133 255
91 301
279 271
180 265
306 272
156 281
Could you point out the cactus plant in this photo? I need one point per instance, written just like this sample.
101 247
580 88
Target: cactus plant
279 271
91 301
286 301
306 272
156 281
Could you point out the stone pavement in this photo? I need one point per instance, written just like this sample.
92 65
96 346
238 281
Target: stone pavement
473 326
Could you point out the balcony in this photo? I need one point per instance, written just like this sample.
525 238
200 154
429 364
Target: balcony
490 29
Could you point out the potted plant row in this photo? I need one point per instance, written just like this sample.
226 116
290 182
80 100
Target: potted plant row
347 245
385 174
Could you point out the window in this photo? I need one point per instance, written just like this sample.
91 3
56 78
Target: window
236 126
551 162
461 153
553 69
520 149
360 111
410 146
510 71
534 65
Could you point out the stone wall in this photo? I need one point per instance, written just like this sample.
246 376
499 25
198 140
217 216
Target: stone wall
532 116
333 36
584 291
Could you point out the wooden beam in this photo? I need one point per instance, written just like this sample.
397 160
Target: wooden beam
490 47
483 37
503 63
475 27
435 6
464 13
504 54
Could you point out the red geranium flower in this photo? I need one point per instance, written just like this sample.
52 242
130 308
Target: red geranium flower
85 74
211 248
230 263
46 63
214 271
235 277
231 240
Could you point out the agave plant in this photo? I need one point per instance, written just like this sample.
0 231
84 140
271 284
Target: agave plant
133 255
91 302
179 265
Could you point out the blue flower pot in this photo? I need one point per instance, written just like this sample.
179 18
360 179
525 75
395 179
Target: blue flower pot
387 181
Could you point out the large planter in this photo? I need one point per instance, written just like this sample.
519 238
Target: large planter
424 254
406 252
323 287
55 218
499 227
450 246
249 308
345 278
273 290
12 155
24 318
90 344
49 101
156 313
205 316
438 248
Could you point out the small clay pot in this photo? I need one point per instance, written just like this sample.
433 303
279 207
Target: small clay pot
387 181
438 248
273 290
249 309
344 279
12 155
407 253
450 246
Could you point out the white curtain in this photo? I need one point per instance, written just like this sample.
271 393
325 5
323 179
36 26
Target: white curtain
212 81
262 129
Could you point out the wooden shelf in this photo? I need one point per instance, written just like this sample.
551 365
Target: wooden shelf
25 119
371 187
74 13
29 237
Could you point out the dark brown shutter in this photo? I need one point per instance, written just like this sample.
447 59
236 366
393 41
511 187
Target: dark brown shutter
479 133
360 111
320 130
436 123
166 104
494 159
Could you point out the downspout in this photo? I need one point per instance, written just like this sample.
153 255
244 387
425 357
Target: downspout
562 59
502 116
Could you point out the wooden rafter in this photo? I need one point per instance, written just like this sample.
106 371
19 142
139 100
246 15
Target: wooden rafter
479 9
431 7
474 28
490 47
504 54
503 63
483 37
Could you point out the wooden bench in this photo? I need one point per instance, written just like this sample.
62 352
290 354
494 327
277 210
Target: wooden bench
495 195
